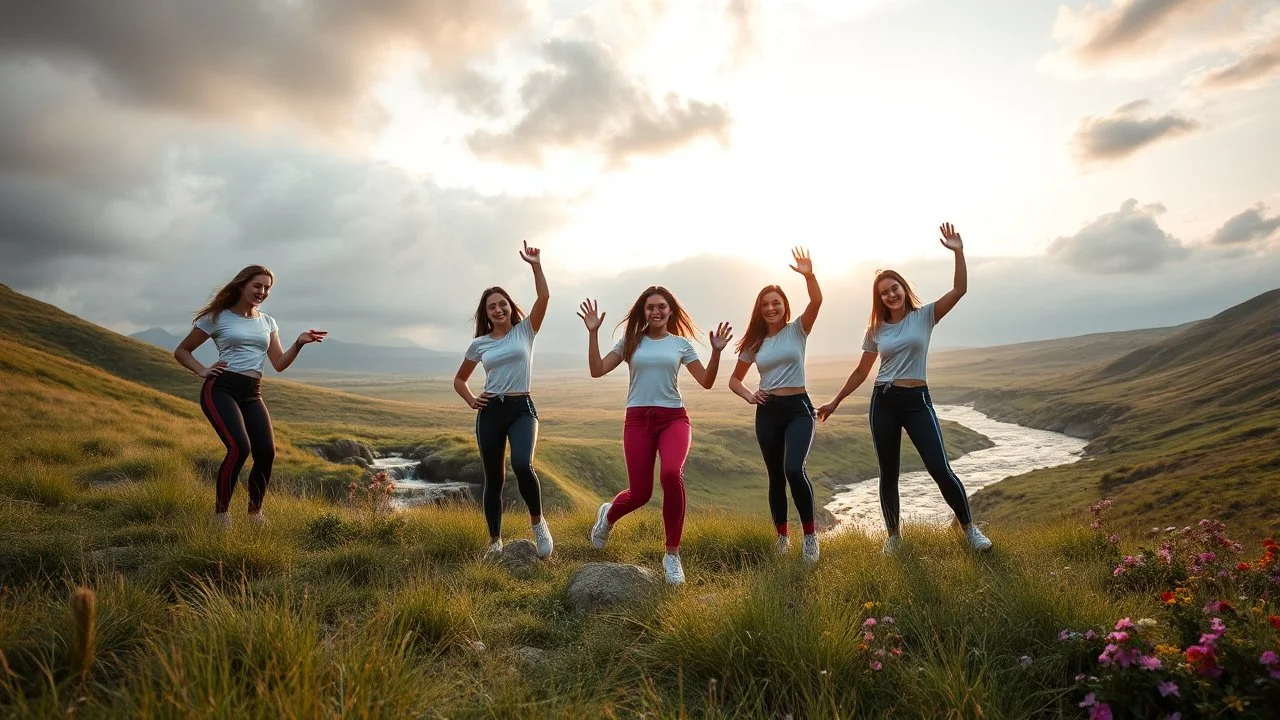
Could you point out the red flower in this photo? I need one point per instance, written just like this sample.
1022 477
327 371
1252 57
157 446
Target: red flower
1274 620
1271 544
1168 597
1242 567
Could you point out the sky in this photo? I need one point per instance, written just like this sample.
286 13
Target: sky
1110 164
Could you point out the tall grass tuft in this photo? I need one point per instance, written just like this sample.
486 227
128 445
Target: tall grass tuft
84 643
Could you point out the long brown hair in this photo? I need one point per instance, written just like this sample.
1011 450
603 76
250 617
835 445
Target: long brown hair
757 328
678 323
230 293
483 325
880 311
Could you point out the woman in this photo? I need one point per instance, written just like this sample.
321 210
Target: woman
784 413
654 346
899 331
504 344
232 396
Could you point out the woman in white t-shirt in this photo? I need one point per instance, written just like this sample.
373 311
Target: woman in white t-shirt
654 346
899 332
232 395
504 345
775 344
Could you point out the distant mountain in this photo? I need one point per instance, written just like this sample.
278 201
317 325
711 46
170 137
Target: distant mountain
345 357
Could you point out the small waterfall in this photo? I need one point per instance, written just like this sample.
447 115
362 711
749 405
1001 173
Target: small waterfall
411 490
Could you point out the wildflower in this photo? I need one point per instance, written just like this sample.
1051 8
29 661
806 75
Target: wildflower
1114 539
1025 661
1167 688
868 637
897 652
1118 571
868 605
1065 635
1149 662
869 622
1124 624
1242 567
1118 636
887 620
1269 658
1089 700
1165 553
1147 622
876 665
1168 597
1079 677
1274 620
1090 635
1217 606
1101 711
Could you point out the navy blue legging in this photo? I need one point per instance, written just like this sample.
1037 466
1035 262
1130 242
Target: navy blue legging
509 418
893 408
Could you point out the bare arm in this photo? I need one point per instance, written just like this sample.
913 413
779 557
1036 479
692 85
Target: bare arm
281 359
591 316
182 354
533 256
735 384
464 391
706 376
960 284
855 380
804 266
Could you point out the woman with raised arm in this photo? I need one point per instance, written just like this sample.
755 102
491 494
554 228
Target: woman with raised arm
784 413
504 344
654 346
232 395
899 332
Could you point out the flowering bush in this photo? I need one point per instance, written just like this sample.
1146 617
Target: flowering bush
1205 655
881 640
372 498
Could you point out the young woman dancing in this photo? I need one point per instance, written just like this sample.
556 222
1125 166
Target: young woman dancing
232 395
784 412
504 345
654 346
899 332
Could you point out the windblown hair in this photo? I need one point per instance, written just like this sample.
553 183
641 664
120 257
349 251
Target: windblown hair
880 311
757 328
483 325
678 323
230 293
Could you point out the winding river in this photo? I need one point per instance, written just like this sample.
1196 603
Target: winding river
1016 450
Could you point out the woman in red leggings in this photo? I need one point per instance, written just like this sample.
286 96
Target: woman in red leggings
654 346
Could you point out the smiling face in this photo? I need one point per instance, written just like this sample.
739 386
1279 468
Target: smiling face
498 310
657 311
256 290
773 308
891 293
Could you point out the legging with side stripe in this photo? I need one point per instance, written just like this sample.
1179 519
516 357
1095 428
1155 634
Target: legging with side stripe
507 419
784 429
892 409
233 404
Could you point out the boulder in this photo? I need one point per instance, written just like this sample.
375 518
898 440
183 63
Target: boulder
518 557
338 450
355 460
529 657
599 585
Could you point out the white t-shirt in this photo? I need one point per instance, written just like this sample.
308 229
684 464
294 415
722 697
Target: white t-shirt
903 346
507 360
653 369
242 342
780 358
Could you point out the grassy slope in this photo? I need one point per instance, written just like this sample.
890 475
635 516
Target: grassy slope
1185 427
579 456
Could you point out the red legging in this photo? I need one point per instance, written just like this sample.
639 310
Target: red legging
665 433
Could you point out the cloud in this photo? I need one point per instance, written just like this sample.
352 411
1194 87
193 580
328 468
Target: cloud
1246 227
1126 241
743 17
308 60
583 99
1123 133
1254 68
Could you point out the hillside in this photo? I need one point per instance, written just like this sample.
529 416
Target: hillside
1185 426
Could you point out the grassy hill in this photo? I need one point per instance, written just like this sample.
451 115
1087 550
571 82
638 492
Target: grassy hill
1184 427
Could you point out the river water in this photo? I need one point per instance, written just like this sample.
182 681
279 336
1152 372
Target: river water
1016 450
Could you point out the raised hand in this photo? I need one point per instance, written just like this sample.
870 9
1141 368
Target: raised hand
950 238
531 255
214 370
311 336
803 265
588 311
825 411
721 337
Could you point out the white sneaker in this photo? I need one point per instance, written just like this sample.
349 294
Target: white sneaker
675 572
220 521
810 548
782 544
977 540
600 531
892 545
494 551
258 518
542 538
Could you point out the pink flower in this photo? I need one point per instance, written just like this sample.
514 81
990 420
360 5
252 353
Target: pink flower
1090 635
896 651
1124 624
876 665
868 637
1101 711
1118 636
869 622
1114 539
1089 700
1149 662
1269 658
1118 571
1064 636
1167 688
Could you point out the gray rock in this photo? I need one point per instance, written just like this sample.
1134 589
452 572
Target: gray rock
530 657
355 460
519 557
599 585
338 450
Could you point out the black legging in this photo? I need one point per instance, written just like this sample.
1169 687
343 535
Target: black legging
892 408
507 418
784 429
233 404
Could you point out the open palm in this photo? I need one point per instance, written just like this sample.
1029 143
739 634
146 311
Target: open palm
803 265
721 337
950 238
591 317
